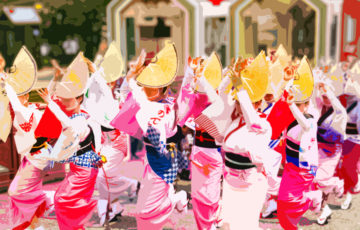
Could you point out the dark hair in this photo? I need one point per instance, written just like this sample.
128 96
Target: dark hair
164 89
82 98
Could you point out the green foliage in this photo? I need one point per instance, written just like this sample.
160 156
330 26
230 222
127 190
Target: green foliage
81 19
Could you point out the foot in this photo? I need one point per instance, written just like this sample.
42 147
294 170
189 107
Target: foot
271 208
115 217
347 202
325 215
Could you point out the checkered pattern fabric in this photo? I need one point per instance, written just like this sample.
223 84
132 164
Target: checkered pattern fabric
154 137
89 159
171 173
182 160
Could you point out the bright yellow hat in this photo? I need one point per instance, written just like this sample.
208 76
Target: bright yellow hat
73 83
276 83
161 72
23 73
212 70
5 117
335 76
282 55
254 78
113 63
303 82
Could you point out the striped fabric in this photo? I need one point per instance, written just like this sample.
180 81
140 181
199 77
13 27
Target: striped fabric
209 126
274 143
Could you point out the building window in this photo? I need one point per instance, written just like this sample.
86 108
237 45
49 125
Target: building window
216 37
350 28
333 37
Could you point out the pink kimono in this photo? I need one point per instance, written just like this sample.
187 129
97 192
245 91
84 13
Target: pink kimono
27 198
156 121
206 159
331 134
295 197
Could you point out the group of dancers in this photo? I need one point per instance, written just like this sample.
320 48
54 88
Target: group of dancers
248 121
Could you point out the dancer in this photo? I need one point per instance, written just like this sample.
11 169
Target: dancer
332 117
206 159
28 201
244 141
100 103
351 146
155 116
301 154
80 143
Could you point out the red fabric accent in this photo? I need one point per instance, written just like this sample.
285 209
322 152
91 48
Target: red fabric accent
343 100
280 117
348 165
241 124
39 212
12 113
26 126
216 2
49 126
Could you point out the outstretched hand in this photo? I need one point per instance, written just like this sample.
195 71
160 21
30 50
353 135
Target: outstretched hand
137 67
44 94
58 71
291 97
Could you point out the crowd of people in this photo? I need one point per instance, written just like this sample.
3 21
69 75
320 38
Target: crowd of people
265 137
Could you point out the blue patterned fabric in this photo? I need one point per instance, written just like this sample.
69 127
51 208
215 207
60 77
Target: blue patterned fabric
182 160
163 162
89 159
274 143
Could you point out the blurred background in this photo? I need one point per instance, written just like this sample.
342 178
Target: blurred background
323 30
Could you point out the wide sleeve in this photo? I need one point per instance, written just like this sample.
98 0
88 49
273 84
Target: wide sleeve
299 116
60 115
224 86
248 110
21 112
336 104
138 94
209 90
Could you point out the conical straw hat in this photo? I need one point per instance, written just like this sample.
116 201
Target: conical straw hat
282 55
276 83
255 77
73 83
212 71
23 73
113 63
335 77
161 72
303 82
5 117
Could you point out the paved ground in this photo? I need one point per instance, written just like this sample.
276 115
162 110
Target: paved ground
341 219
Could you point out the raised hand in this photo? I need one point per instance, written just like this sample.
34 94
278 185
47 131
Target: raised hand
58 71
291 96
137 66
44 94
